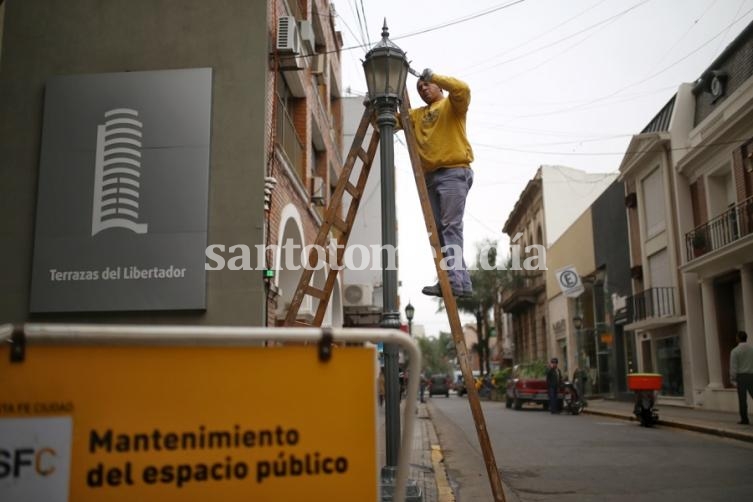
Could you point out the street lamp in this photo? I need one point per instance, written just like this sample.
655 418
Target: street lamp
409 311
578 321
386 69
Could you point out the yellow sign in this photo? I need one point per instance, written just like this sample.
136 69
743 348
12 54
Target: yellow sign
126 423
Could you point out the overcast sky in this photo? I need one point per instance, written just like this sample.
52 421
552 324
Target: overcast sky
559 82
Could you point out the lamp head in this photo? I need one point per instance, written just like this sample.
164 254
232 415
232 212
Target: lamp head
409 311
386 69
578 322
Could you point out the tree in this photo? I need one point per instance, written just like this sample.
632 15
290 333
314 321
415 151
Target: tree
435 353
488 282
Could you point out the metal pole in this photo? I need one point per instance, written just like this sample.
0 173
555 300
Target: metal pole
386 109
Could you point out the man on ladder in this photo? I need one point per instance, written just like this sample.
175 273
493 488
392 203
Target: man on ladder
446 157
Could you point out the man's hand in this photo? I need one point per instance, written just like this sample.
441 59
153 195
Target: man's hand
426 75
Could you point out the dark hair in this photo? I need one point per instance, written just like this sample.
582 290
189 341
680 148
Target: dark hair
554 360
742 336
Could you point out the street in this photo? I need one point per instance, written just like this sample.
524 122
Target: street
588 458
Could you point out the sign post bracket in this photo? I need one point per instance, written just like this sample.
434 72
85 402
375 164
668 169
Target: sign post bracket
17 344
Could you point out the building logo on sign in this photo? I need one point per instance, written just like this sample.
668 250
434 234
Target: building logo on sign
117 173
121 221
569 281
35 458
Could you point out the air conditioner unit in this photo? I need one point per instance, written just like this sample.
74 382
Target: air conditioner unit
307 36
358 295
288 41
317 190
318 64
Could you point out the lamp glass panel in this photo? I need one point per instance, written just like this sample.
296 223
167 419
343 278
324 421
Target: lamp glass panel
397 74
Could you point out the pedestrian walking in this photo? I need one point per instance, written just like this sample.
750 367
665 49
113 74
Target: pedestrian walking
553 381
741 373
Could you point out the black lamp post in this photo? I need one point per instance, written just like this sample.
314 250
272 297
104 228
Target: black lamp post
481 347
386 69
409 311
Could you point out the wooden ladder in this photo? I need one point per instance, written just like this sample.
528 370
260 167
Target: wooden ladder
332 218
344 226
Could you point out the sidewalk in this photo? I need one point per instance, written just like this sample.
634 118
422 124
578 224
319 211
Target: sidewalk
718 423
426 465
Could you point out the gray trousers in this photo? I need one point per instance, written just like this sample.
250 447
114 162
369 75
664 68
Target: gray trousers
448 189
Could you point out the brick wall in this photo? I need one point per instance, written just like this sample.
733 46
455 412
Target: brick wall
303 111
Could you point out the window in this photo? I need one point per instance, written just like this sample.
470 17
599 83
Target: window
658 266
653 203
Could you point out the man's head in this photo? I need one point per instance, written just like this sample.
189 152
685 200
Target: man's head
742 336
429 92
554 361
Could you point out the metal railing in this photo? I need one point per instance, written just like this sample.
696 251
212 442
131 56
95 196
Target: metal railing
288 139
523 284
651 303
716 233
526 279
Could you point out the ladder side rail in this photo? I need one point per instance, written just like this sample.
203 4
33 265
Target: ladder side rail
451 305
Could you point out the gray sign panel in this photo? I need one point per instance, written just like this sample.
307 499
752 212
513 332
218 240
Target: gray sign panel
123 192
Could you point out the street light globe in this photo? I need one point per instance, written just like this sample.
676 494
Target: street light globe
578 322
386 69
409 311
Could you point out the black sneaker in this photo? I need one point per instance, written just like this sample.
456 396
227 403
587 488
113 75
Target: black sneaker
435 290
743 422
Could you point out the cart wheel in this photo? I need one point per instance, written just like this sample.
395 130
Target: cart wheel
578 407
647 420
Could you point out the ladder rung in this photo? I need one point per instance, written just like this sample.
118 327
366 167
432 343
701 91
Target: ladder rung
316 292
301 324
340 224
363 155
352 189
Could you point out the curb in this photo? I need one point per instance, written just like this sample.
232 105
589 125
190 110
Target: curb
444 490
704 429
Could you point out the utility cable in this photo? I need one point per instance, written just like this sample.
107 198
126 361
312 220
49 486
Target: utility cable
523 44
627 152
645 79
595 25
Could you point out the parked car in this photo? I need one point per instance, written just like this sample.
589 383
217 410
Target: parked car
527 384
440 384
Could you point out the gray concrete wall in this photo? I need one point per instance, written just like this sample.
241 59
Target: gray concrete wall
44 38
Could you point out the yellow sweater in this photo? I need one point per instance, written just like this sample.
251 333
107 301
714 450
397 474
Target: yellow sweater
440 127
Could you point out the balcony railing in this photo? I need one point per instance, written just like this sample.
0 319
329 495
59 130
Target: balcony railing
522 290
288 139
728 227
651 303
